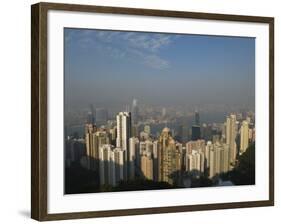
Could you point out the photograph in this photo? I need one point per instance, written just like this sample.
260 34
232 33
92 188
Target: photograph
136 111
157 111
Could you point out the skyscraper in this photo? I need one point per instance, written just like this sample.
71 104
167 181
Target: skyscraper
197 118
123 134
196 133
118 165
111 166
133 156
94 140
113 134
180 152
166 156
89 131
219 159
105 166
231 137
147 165
195 163
123 130
155 161
135 111
244 136
195 145
208 149
214 158
225 159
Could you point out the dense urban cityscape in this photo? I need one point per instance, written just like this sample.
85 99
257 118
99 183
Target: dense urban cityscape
124 153
151 110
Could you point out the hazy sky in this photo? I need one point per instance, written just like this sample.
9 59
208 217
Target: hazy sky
106 68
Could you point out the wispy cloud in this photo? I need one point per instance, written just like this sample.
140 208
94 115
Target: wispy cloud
150 60
144 48
156 62
149 42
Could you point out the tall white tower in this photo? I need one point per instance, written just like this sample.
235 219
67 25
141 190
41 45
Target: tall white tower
231 136
123 135
123 130
244 136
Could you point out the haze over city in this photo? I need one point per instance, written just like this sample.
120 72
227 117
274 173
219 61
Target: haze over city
111 68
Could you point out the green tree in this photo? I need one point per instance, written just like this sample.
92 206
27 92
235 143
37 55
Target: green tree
244 171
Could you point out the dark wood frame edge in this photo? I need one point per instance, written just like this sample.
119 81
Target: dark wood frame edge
39 110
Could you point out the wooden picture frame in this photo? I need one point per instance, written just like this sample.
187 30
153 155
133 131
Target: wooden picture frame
39 108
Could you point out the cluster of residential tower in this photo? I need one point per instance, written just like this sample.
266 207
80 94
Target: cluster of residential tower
120 153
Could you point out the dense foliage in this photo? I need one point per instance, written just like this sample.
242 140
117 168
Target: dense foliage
244 172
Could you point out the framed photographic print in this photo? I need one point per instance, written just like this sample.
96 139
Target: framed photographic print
139 111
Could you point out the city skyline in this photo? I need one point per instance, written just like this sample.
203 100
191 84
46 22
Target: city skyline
148 111
216 66
121 155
